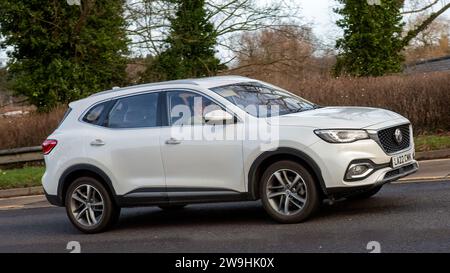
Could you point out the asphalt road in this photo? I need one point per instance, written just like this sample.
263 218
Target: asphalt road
406 217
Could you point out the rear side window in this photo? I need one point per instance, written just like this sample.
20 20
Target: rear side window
134 112
93 116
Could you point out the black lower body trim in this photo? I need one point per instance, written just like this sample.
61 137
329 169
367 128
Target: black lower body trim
206 197
343 192
142 199
53 199
163 196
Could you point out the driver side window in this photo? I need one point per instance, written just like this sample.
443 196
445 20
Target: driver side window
189 108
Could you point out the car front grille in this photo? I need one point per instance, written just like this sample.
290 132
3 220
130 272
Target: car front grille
388 140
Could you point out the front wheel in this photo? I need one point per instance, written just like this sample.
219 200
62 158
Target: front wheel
288 192
89 206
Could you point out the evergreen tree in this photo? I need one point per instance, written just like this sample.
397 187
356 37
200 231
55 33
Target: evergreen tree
63 52
190 46
372 42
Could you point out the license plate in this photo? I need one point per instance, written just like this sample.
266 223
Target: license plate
402 159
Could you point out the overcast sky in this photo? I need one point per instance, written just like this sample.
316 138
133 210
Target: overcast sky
319 13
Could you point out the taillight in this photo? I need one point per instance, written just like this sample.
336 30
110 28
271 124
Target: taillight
48 145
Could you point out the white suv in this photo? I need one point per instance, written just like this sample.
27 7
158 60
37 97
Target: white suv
218 139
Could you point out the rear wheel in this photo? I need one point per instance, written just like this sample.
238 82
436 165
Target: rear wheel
89 206
288 192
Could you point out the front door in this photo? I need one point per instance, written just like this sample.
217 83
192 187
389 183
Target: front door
198 162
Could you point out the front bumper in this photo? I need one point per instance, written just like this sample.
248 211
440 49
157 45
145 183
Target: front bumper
389 176
335 159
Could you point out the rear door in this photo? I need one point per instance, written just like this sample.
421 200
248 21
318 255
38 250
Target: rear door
126 142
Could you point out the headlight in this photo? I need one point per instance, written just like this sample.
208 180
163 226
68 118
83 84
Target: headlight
342 136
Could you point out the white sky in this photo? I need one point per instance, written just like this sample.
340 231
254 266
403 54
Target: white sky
319 13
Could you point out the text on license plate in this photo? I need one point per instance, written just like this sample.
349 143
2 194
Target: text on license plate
401 159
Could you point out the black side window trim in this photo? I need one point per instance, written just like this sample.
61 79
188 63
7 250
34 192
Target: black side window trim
66 114
103 118
102 114
163 117
162 111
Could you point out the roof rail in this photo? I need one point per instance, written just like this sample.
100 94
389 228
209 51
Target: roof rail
115 89
192 81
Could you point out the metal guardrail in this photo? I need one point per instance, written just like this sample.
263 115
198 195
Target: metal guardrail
21 155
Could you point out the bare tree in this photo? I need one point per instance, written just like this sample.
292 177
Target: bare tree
432 35
282 52
233 17
417 6
431 42
429 11
148 24
149 20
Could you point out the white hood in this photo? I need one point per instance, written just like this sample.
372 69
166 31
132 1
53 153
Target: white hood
338 117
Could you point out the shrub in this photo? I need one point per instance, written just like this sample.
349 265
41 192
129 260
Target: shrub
423 98
28 130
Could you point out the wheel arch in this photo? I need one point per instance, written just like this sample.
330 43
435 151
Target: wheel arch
80 170
267 158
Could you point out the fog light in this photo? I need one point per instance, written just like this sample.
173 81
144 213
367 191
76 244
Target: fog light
358 171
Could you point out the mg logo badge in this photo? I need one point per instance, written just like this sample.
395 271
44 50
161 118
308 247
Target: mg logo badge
398 136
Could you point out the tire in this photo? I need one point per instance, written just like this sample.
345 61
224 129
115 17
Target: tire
105 212
304 189
366 194
171 207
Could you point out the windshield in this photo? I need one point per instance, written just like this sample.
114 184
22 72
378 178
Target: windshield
262 100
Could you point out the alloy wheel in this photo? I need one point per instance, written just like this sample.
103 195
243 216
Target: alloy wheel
87 205
286 192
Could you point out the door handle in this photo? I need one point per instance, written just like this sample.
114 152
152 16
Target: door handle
173 141
97 143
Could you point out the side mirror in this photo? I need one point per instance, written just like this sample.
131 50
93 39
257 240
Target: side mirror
218 116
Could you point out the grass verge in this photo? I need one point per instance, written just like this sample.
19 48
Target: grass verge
21 178
432 142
